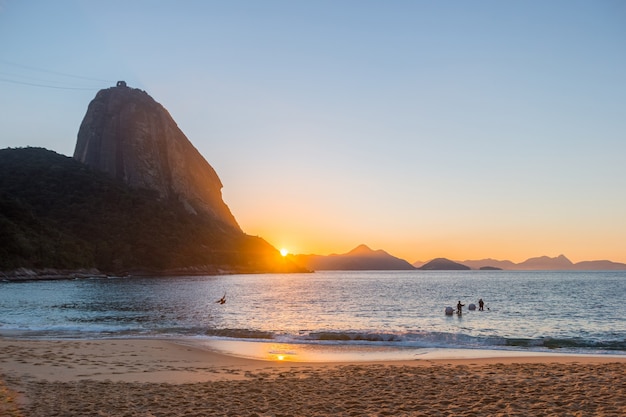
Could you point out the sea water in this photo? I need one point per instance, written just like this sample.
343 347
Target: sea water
528 311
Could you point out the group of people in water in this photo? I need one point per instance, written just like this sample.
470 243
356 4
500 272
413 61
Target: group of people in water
459 306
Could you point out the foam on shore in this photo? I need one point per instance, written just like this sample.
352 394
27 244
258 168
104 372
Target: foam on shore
315 353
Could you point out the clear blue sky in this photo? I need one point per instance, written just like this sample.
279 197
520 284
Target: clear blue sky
462 129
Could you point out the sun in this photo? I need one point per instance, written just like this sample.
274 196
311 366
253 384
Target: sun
284 252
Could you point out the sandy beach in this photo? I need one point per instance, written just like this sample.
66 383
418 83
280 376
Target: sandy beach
130 377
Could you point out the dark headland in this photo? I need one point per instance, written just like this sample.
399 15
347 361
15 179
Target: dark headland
136 198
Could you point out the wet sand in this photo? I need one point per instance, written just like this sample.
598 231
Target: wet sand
149 378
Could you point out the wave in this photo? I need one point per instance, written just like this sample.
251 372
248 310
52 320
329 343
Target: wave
354 336
98 328
429 340
568 343
240 334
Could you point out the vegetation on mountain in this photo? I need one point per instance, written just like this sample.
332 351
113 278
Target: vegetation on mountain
56 212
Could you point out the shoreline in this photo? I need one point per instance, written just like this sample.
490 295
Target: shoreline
24 274
269 350
157 377
182 361
273 350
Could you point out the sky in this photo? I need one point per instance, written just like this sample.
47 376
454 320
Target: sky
457 129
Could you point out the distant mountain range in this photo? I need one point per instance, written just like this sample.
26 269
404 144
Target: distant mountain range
360 258
364 258
546 263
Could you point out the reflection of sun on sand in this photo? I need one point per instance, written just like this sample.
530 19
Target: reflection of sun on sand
156 377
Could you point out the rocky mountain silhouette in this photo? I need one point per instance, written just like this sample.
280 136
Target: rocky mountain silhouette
129 136
137 198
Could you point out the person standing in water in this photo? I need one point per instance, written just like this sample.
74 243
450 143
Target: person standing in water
459 308
481 305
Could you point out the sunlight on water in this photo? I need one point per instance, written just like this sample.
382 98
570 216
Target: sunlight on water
571 311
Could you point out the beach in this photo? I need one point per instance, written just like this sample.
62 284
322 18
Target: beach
137 377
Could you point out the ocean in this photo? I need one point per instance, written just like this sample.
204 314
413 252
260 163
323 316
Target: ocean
398 311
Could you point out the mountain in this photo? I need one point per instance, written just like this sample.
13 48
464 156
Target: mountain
443 264
478 264
547 263
129 136
360 258
136 198
58 213
600 266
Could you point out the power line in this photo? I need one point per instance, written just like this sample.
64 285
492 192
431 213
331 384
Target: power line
46 86
23 78
53 72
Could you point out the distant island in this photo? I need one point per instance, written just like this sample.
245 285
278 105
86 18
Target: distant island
443 264
560 263
363 258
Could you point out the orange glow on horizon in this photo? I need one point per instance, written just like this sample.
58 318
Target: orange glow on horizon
502 243
467 249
